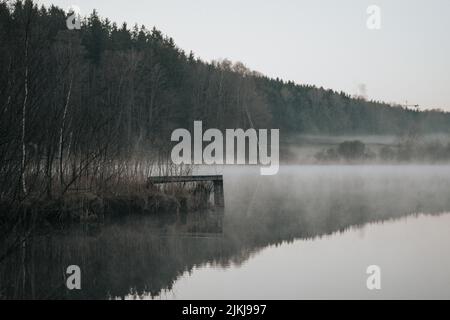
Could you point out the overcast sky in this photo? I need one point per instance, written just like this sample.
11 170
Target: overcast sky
321 42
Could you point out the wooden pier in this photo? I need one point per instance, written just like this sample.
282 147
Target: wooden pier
217 181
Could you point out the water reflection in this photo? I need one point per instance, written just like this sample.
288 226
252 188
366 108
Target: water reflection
146 256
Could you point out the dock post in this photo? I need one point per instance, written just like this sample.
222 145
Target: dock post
219 199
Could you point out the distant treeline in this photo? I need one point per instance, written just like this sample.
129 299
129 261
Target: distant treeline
408 150
78 104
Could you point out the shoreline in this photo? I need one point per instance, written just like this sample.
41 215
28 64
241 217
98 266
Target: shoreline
86 206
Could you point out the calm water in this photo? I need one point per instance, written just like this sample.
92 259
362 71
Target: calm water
308 232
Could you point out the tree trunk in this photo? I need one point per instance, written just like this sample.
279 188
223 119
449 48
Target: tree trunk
24 113
61 133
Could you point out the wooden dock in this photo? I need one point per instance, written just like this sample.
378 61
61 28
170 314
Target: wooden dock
217 181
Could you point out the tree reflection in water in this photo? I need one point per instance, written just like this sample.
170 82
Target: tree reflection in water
145 255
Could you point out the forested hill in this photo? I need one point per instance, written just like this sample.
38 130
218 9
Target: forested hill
132 85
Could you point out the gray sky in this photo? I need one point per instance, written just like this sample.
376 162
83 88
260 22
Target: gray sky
320 42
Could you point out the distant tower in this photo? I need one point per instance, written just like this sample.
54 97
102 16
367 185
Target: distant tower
406 105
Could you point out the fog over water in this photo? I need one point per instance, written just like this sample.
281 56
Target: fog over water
307 232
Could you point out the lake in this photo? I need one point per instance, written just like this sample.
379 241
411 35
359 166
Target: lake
308 232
